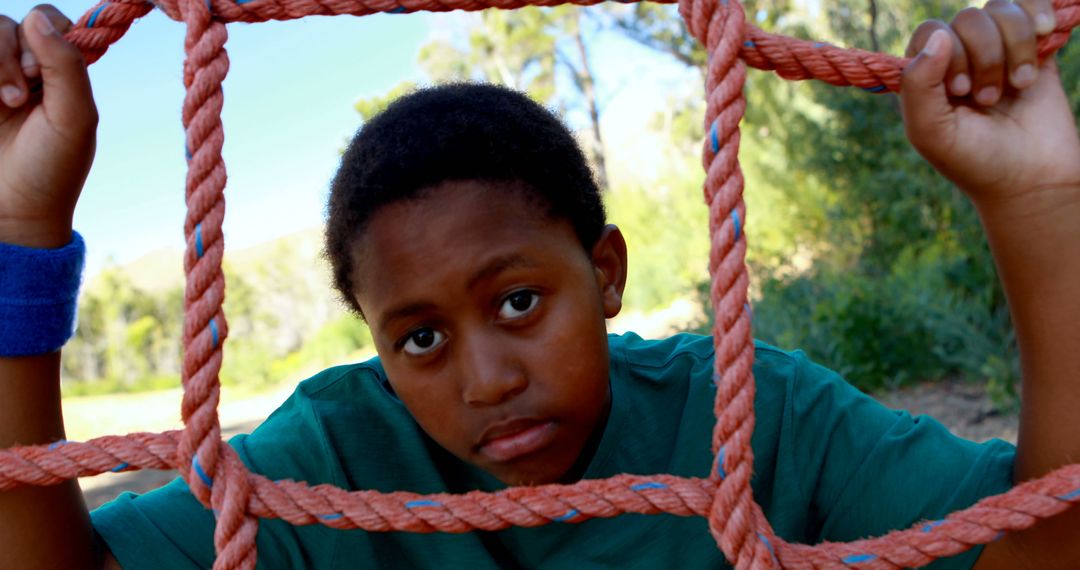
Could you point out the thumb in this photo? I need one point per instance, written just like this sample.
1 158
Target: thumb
923 99
67 98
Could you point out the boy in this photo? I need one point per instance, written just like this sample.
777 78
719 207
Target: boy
465 228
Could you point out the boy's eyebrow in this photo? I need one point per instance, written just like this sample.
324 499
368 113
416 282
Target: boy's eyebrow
498 265
491 269
404 311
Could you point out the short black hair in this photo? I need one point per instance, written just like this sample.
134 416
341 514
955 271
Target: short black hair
457 132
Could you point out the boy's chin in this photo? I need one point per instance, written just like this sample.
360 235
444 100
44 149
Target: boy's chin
530 478
533 473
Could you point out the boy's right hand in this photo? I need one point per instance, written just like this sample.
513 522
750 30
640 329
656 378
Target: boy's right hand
48 124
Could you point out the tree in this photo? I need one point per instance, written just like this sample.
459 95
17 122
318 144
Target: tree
861 253
525 49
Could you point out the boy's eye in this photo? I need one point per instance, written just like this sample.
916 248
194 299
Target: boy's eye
422 341
518 304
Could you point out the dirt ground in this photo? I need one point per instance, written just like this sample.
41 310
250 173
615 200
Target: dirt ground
963 407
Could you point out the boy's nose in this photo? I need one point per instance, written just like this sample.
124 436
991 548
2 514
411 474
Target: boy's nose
490 374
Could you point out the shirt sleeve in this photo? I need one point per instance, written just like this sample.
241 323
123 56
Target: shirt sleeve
168 529
869 470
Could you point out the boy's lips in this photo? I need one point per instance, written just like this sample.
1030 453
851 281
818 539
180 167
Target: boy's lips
506 441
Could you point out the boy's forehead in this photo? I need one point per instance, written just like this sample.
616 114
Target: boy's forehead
459 201
456 234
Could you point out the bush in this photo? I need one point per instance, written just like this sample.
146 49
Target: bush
918 322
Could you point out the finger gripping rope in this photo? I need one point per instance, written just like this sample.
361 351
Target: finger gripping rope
239 498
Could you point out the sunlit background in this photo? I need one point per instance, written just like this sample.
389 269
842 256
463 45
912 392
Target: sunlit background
860 254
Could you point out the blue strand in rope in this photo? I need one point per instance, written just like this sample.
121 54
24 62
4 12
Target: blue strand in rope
749 44
875 89
214 331
120 467
422 503
57 443
331 517
569 515
198 240
768 546
1070 496
649 485
714 138
856 558
738 224
930 525
398 10
93 17
720 463
206 479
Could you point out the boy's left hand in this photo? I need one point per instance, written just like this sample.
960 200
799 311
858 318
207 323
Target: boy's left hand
980 108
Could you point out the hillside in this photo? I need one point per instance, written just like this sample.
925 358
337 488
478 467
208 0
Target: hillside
282 315
163 269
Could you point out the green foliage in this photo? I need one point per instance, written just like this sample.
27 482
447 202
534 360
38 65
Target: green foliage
125 340
662 222
542 51
252 364
860 253
515 48
900 285
283 322
911 324
371 106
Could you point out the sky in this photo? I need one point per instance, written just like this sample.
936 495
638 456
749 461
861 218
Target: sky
288 112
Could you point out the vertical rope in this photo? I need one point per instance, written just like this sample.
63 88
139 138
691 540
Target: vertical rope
215 476
735 520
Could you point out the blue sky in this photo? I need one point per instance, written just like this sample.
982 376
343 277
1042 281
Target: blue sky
288 110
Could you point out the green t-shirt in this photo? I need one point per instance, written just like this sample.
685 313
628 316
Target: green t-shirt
830 464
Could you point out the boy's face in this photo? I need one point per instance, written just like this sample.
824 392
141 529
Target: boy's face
488 316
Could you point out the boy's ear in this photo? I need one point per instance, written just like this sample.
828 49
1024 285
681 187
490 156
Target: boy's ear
609 264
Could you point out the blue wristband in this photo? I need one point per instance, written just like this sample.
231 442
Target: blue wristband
38 293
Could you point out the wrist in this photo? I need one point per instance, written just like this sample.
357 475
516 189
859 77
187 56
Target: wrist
39 234
38 292
1032 212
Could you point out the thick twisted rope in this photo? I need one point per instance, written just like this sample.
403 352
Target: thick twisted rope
219 480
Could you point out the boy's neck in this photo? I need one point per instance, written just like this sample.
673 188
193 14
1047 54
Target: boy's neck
589 451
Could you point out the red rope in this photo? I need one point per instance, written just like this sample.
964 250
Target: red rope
219 480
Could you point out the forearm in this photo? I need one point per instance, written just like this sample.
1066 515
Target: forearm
1035 241
40 527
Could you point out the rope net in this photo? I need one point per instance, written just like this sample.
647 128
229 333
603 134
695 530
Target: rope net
240 498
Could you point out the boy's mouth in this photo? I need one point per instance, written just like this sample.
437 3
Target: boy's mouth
506 441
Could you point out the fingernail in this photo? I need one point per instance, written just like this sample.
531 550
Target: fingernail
1024 75
28 60
43 25
961 85
987 96
1044 23
933 45
10 94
